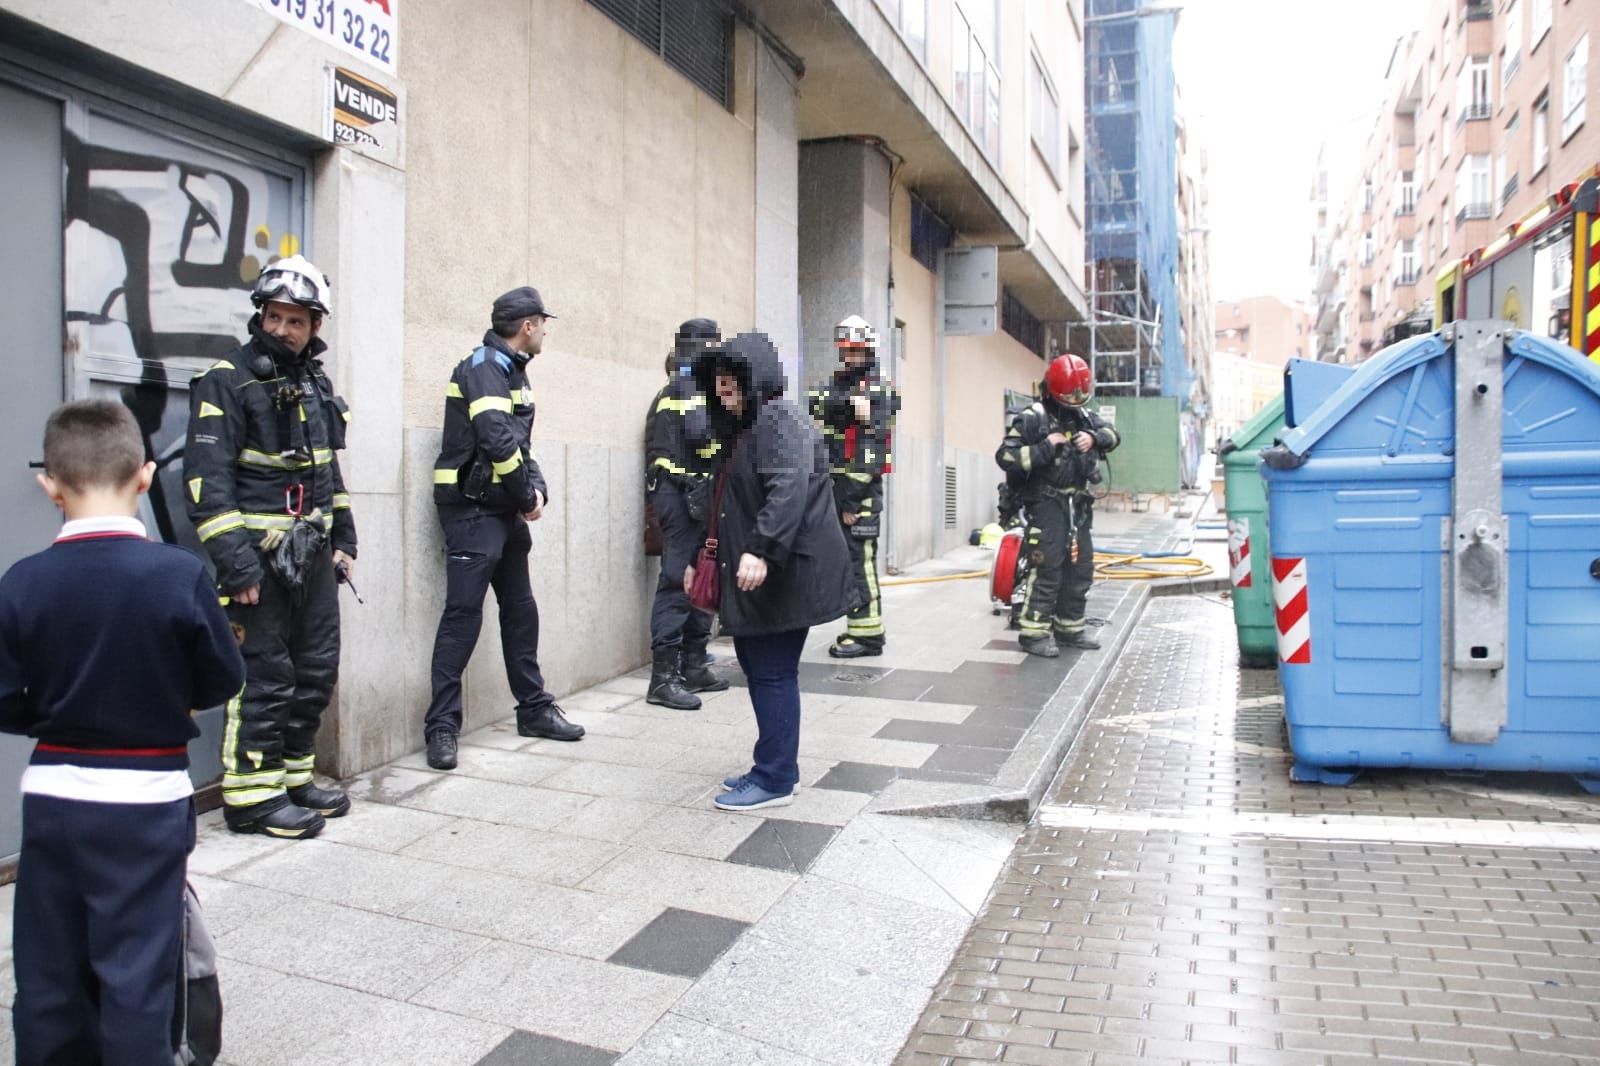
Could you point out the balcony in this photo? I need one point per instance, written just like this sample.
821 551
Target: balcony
1477 10
1508 192
1473 212
1408 277
1476 113
1405 208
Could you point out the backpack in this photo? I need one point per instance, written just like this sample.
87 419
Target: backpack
198 1018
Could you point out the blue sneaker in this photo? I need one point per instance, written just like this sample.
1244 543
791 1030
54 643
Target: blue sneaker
750 796
731 783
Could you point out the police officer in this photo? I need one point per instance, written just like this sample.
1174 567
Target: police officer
487 488
856 409
264 427
1053 447
679 456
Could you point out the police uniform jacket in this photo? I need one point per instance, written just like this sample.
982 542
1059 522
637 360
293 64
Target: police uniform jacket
264 430
485 460
678 446
1039 468
777 503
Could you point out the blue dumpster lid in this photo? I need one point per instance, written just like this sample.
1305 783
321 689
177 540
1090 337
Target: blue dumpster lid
1399 405
1306 384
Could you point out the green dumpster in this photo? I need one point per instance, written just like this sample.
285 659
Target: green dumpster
1248 558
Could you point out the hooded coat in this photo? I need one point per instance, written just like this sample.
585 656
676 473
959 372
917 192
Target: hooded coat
778 500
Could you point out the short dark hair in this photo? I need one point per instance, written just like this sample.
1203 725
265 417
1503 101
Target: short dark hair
508 327
92 444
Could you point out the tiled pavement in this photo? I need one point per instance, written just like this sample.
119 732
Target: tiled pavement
1177 900
583 904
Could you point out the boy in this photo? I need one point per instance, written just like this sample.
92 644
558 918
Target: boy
107 642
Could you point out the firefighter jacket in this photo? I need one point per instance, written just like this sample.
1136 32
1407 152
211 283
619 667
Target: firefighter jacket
859 452
264 427
488 421
678 445
1036 468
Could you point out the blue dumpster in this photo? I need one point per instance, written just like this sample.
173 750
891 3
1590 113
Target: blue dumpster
1435 539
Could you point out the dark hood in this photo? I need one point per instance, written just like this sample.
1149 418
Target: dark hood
754 362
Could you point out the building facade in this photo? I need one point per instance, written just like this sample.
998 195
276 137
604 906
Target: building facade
1490 108
774 165
1255 338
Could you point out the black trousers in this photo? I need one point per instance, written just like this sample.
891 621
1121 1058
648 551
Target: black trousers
673 623
98 931
291 659
484 549
1057 591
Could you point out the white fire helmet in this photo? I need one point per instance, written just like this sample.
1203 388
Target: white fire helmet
855 332
294 281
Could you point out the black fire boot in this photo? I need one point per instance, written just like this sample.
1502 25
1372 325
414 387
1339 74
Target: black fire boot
1077 638
855 647
328 802
666 687
695 669
442 750
547 722
1044 647
274 818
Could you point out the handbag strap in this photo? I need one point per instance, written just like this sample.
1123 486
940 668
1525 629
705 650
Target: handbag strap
716 505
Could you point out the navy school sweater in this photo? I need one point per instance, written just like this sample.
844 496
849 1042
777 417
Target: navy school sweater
108 643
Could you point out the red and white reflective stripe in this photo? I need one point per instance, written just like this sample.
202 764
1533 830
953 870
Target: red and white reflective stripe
1239 552
1293 609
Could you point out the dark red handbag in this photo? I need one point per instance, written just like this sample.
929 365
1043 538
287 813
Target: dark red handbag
705 591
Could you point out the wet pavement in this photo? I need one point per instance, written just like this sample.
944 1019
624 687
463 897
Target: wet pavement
1176 899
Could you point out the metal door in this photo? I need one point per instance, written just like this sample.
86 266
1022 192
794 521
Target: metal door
30 320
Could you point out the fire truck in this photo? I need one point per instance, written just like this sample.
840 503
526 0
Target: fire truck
1542 273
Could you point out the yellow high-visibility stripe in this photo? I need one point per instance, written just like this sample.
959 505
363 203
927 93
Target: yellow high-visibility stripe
709 450
220 364
212 527
1594 276
680 407
209 410
341 501
276 521
851 474
445 477
251 457
194 488
1592 320
489 403
505 466
669 466
452 391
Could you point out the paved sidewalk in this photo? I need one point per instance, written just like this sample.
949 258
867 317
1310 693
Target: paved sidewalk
583 904
1177 900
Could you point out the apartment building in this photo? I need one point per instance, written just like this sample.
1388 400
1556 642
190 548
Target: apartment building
1490 107
1255 338
774 164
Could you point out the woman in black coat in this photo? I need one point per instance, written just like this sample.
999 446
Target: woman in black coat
784 563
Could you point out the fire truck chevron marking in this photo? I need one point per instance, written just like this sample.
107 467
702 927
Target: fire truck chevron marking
1239 552
1290 599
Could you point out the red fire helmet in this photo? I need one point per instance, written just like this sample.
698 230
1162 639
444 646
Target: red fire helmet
1068 380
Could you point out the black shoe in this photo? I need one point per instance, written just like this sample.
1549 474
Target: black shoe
548 723
284 820
328 802
442 750
854 648
666 687
1078 638
694 666
1044 647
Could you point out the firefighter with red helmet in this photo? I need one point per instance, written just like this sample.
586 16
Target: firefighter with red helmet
856 410
1052 449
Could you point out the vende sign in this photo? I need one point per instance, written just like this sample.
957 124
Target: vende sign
366 28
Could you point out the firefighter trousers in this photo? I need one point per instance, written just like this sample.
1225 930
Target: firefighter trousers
673 623
1057 591
290 643
485 549
864 623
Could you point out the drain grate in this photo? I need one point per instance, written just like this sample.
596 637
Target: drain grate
851 677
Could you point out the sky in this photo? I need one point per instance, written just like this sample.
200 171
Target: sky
1265 82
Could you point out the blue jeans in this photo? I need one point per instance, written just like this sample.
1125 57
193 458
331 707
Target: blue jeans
771 665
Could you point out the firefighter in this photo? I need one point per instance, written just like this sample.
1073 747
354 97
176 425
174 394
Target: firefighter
1055 445
856 409
679 456
260 465
488 488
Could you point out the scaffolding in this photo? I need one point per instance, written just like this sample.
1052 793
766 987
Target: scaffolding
1134 334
